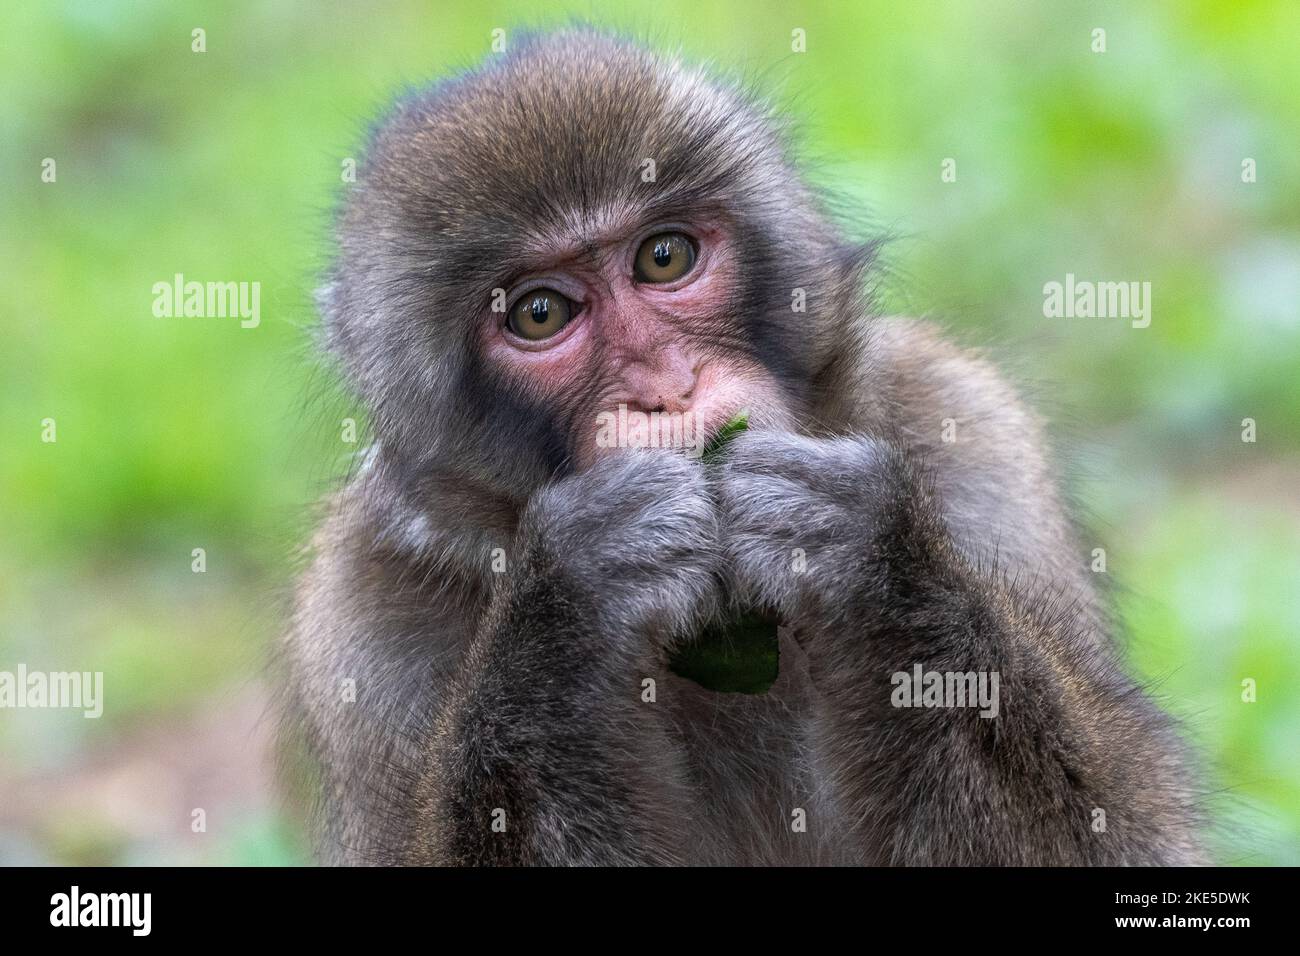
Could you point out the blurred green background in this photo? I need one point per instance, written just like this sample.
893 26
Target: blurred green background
175 433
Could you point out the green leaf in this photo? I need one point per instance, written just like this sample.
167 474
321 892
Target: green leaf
741 656
713 450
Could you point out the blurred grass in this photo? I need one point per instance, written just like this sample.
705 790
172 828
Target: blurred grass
182 433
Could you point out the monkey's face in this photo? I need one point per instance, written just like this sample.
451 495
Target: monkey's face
542 253
630 337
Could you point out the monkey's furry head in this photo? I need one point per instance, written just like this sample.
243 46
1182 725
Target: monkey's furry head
469 182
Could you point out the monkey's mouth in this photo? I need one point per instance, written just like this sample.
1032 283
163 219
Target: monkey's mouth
739 654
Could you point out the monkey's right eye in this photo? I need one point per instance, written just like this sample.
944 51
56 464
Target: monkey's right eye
539 314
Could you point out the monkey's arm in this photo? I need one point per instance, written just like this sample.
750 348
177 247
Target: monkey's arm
896 577
546 751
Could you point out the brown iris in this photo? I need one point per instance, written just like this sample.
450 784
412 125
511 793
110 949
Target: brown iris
540 314
664 258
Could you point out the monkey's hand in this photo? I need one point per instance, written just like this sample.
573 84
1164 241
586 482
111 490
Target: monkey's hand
636 536
799 516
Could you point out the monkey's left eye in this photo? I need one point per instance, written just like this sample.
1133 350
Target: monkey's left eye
539 314
665 257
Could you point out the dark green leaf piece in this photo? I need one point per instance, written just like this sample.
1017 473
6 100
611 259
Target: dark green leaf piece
740 656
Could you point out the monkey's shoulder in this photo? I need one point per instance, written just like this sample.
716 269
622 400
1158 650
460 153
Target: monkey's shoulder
983 446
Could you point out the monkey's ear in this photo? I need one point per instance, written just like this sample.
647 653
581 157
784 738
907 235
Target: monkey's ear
324 296
855 260
328 307
852 264
335 333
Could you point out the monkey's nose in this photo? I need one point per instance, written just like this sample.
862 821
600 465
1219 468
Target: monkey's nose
667 386
668 399
675 403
